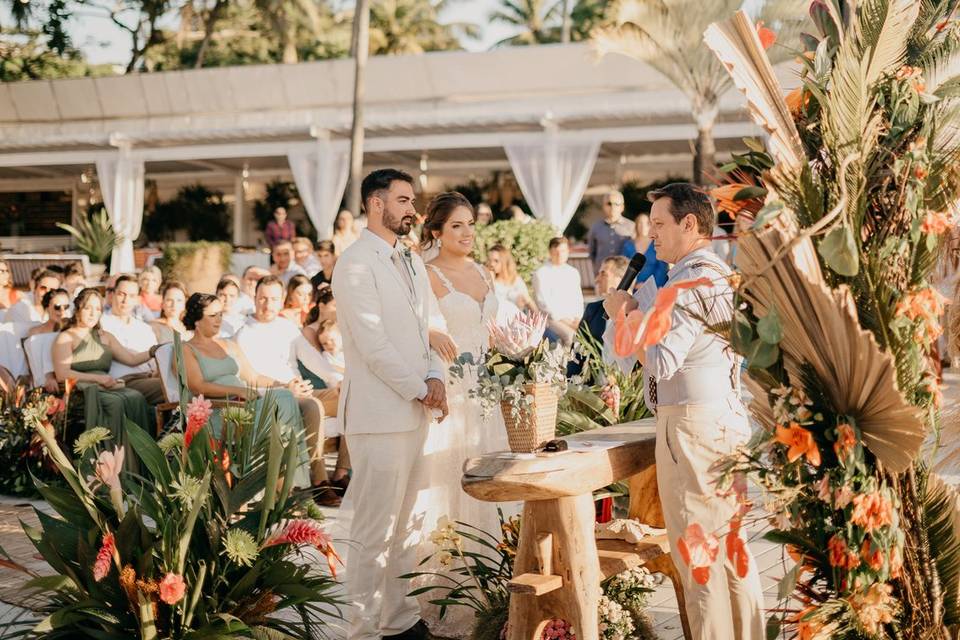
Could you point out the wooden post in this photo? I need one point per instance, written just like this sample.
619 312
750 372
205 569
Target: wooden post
573 552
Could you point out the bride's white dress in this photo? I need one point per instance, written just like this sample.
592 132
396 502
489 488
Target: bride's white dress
465 433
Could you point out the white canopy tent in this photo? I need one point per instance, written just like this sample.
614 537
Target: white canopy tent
553 114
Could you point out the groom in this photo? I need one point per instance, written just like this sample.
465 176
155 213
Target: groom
392 388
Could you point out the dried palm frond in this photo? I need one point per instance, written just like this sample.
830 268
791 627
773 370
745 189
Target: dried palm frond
736 44
941 503
821 329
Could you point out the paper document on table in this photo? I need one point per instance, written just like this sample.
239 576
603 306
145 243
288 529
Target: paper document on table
578 444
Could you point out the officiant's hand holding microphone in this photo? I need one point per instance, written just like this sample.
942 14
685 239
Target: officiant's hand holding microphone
621 297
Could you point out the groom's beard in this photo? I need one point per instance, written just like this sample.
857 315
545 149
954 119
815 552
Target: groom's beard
400 227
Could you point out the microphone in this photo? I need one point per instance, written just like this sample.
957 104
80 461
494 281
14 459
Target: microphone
635 267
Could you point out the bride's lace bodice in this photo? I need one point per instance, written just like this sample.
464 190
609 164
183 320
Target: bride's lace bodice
466 318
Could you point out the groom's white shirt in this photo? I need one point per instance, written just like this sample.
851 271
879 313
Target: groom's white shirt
386 345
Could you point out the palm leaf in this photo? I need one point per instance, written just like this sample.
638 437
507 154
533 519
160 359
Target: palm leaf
942 524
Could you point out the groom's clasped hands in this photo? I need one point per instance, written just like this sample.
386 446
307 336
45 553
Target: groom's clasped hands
436 398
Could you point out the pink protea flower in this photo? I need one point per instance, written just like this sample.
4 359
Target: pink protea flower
198 413
172 588
307 532
520 336
101 566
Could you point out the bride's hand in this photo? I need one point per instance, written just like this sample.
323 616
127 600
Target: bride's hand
444 345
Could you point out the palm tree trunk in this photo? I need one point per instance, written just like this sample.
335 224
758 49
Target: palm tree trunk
208 26
361 50
704 156
565 28
290 44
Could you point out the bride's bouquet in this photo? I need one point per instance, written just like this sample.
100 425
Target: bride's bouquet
523 374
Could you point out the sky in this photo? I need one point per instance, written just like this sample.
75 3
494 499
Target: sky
104 43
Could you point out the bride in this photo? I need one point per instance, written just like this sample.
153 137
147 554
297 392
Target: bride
467 301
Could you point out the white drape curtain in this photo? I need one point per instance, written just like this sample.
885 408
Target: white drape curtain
121 184
553 174
321 174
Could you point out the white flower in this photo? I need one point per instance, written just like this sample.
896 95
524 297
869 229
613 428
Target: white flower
445 558
90 439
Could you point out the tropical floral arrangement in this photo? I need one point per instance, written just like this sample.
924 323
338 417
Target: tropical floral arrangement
520 356
210 542
22 455
837 319
475 567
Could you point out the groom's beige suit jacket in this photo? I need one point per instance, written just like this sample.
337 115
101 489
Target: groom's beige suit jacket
386 346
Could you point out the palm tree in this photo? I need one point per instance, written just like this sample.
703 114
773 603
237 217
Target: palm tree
413 26
360 49
535 19
668 36
286 18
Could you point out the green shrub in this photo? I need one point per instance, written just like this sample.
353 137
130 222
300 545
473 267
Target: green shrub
198 210
528 243
199 265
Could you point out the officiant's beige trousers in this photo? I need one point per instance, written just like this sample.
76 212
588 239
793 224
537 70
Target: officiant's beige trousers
690 441
384 530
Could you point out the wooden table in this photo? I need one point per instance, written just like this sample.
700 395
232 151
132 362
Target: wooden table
559 563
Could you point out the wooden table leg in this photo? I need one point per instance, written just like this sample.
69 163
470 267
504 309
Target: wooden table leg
574 550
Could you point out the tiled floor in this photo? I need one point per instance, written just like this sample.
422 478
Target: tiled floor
770 558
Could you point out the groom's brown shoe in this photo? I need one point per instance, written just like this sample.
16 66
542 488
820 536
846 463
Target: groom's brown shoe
418 631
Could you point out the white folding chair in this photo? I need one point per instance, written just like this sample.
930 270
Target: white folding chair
170 382
38 351
11 349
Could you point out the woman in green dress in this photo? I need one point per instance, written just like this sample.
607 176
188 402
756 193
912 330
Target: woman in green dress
217 368
84 352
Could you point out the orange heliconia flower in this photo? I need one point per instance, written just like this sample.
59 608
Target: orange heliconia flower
800 442
796 100
699 550
846 441
767 36
724 196
872 510
638 331
936 222
628 332
840 555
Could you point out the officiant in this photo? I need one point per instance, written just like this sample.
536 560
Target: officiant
692 385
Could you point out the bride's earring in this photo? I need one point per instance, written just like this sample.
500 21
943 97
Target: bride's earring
439 243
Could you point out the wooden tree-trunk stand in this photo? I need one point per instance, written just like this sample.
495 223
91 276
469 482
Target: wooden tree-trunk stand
560 563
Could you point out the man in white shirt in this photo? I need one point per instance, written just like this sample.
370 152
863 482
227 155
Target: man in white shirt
229 293
556 287
284 266
134 334
304 256
30 309
273 345
248 289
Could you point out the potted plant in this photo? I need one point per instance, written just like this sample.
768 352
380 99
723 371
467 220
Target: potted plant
524 375
96 238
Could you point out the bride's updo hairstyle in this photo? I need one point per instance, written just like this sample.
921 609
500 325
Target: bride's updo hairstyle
438 212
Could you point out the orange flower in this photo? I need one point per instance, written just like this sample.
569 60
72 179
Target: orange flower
737 549
767 37
926 305
796 100
896 561
846 441
873 559
914 75
659 322
872 510
101 566
699 550
172 588
69 385
840 555
800 442
628 331
936 222
724 196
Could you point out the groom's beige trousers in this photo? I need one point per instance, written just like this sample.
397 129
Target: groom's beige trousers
691 439
384 530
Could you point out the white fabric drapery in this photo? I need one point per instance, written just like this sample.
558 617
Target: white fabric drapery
553 174
321 174
121 184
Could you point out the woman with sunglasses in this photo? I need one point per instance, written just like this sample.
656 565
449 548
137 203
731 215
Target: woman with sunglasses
8 295
56 303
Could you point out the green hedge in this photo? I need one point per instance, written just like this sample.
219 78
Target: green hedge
179 262
527 242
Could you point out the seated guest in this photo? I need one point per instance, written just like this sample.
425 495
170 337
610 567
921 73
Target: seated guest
31 309
174 301
344 231
84 351
216 368
74 279
283 265
484 214
507 283
274 346
8 294
298 300
556 286
331 348
228 292
135 335
327 257
248 286
324 309
151 298
303 254
56 306
594 321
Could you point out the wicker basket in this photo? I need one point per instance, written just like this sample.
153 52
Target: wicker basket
536 424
